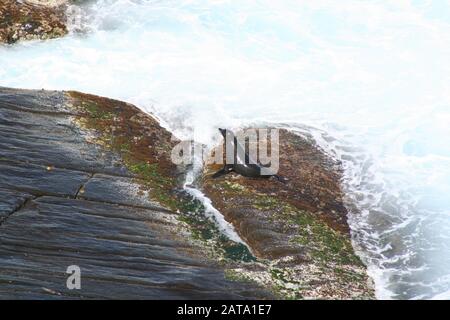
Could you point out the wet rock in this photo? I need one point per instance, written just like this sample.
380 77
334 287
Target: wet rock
111 189
46 134
87 181
41 180
122 254
33 19
10 201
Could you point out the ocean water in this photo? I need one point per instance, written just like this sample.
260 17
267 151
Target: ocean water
370 80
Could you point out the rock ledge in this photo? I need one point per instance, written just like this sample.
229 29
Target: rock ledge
30 20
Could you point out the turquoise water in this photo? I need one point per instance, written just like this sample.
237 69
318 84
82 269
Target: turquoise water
369 79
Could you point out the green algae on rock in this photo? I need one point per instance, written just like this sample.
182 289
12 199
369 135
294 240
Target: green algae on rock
30 20
143 145
145 148
297 229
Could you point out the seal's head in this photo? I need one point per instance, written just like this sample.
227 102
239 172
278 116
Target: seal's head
227 133
223 132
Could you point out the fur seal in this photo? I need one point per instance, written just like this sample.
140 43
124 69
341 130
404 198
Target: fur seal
245 167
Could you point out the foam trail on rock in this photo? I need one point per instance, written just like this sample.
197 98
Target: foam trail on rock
224 226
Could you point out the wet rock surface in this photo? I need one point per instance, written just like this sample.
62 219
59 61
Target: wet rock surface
298 227
111 189
88 181
122 253
29 20
10 201
41 180
77 188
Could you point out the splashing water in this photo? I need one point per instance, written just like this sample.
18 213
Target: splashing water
369 80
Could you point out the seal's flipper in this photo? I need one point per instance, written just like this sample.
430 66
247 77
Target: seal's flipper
220 173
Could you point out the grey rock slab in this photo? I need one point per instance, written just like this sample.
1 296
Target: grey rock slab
50 139
41 180
121 190
10 201
121 255
33 100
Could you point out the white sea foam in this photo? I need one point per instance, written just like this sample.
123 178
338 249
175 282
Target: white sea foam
369 80
224 226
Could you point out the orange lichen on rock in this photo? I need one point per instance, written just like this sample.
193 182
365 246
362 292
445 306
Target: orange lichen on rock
31 20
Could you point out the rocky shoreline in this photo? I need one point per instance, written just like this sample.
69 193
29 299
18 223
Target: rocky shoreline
32 20
88 180
67 199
